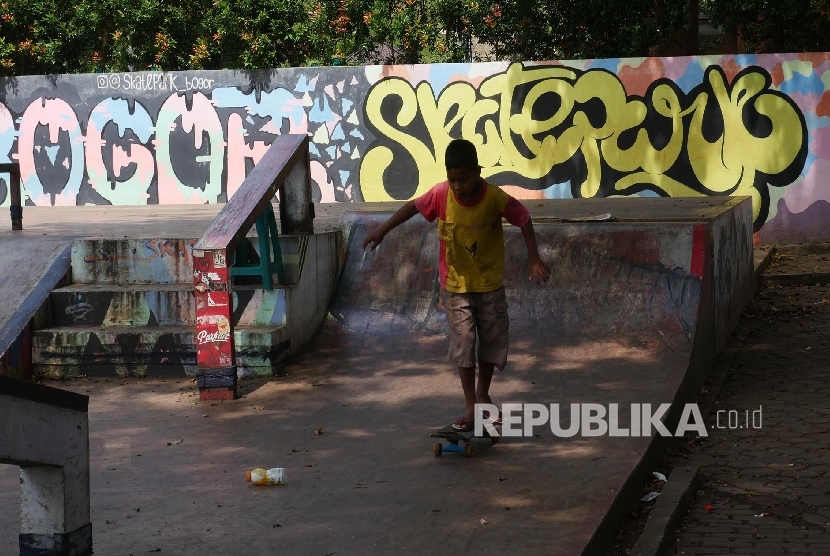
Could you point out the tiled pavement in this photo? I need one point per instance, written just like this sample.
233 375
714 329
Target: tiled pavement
767 490
763 490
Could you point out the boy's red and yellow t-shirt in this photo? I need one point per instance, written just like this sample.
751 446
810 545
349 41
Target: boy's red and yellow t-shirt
471 254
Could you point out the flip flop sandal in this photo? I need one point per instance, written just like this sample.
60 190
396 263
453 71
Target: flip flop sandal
466 425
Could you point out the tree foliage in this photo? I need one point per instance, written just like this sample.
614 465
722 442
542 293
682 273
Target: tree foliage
385 31
63 36
775 25
534 30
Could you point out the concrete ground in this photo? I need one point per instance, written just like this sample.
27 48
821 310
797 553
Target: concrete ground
168 471
766 490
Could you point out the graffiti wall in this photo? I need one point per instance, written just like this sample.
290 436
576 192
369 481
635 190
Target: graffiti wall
720 125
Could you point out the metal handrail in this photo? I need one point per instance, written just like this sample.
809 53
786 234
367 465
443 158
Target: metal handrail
285 167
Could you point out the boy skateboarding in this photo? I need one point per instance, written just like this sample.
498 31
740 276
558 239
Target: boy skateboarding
471 266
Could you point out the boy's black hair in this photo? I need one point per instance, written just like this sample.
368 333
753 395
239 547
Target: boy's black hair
461 154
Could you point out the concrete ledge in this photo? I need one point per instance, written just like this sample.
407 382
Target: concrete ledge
45 431
806 278
762 257
668 508
43 394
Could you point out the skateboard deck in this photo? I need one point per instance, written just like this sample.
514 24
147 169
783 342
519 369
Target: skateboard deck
455 436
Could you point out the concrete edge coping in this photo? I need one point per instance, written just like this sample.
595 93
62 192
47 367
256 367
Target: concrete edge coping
807 279
790 279
43 394
679 490
667 511
762 264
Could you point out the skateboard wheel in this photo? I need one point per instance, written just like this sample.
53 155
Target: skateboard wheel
437 449
468 449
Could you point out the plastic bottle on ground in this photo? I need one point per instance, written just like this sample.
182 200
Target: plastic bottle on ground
261 476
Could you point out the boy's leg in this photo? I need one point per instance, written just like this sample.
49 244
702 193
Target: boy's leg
485 375
461 317
468 383
493 327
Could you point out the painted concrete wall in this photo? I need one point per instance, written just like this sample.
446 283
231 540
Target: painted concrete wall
733 268
718 125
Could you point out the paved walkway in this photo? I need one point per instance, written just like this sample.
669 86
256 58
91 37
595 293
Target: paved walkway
765 490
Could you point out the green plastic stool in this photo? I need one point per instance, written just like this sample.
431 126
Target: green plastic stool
266 229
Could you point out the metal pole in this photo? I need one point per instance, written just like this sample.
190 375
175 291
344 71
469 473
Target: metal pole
16 208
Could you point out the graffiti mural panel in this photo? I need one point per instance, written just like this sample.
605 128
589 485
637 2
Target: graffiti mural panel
717 125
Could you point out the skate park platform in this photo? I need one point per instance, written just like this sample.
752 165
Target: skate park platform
635 312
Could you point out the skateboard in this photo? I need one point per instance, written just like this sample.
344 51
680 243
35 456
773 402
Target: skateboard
454 437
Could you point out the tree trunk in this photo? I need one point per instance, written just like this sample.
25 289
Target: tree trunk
692 29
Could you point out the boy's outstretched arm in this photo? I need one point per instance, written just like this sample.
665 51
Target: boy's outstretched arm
402 215
538 270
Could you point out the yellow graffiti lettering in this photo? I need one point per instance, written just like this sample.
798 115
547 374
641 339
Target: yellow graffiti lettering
488 144
642 153
504 87
378 159
441 117
662 182
609 91
729 165
529 122
523 125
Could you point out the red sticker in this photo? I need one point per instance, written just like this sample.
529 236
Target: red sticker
214 341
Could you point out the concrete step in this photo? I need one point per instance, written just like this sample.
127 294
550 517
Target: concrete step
140 319
158 261
157 305
158 350
111 305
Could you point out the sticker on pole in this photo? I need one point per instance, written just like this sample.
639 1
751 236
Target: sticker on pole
218 259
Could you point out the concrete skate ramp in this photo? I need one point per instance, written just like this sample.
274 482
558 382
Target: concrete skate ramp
633 283
615 324
29 268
